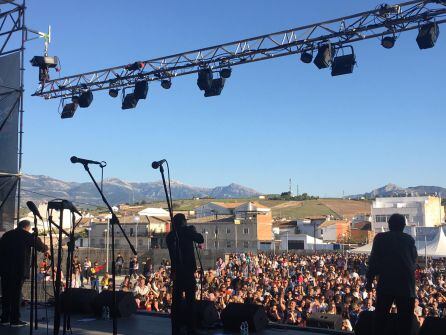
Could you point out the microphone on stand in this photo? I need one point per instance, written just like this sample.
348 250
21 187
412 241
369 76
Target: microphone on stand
157 164
33 208
69 205
75 160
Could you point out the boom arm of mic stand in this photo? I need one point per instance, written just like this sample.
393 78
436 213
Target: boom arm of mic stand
114 219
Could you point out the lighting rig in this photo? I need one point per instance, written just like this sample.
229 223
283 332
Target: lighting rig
327 44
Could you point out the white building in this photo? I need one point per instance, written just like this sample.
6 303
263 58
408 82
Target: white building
423 211
291 241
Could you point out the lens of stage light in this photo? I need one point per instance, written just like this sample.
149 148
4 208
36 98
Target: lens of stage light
166 84
225 73
306 57
113 92
388 42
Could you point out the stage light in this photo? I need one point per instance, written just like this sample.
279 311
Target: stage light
85 99
306 57
204 81
166 83
226 73
388 42
68 110
141 89
343 65
216 87
427 35
134 66
46 61
323 57
113 92
130 101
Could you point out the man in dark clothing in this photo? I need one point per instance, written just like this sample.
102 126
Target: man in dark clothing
119 264
180 242
15 250
393 260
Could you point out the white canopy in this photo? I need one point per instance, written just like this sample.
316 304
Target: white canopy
157 212
365 249
436 247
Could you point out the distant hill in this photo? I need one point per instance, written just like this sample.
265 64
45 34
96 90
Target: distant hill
39 188
390 190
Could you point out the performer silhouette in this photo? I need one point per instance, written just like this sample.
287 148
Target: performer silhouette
393 261
15 250
180 242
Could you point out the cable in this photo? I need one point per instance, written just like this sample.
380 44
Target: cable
51 196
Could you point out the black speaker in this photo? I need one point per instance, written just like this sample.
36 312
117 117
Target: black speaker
78 301
125 303
141 89
365 324
433 326
234 314
206 315
325 321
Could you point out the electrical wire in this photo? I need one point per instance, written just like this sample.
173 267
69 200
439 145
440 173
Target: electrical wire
51 196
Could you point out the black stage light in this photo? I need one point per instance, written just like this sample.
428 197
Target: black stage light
45 61
204 80
134 66
323 57
166 83
130 101
216 87
68 110
113 92
85 99
343 64
306 57
226 73
427 35
141 89
388 42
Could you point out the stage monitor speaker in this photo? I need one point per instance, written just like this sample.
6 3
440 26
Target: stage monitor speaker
234 314
325 321
125 303
77 301
206 314
433 326
365 324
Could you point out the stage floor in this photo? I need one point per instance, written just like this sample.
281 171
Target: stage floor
138 324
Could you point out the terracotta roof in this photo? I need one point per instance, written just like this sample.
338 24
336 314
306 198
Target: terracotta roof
333 222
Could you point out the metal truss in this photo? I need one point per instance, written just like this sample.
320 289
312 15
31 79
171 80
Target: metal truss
382 21
12 39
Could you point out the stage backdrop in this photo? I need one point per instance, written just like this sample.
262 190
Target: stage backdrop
9 118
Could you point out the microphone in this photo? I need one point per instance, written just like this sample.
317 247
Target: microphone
75 159
157 164
69 205
33 208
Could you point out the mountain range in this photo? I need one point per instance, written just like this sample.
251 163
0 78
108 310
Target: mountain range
40 188
391 190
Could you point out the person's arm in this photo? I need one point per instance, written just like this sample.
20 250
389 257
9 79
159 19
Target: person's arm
414 252
372 269
193 235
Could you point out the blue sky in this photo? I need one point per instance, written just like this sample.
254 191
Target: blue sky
274 120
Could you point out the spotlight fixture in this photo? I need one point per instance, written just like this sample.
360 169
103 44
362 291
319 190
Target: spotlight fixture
323 57
388 42
44 63
343 64
130 101
427 35
85 99
141 89
226 72
166 83
216 88
204 81
306 57
134 66
113 92
68 110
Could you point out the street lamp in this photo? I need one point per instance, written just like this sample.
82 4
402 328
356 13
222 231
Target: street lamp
89 233
136 219
106 243
206 239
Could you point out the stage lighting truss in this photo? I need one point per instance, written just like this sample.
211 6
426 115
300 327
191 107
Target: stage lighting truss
379 23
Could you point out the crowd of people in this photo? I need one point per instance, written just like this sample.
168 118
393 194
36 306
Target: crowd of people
290 286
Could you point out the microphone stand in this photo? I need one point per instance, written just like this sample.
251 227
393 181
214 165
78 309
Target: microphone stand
33 322
114 221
